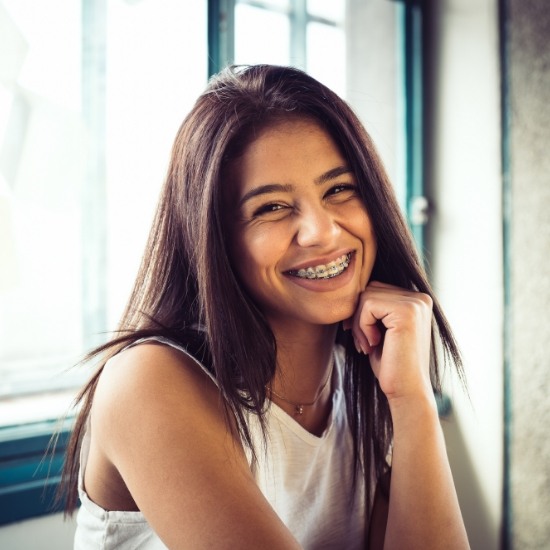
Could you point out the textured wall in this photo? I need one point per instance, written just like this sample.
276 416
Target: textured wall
528 60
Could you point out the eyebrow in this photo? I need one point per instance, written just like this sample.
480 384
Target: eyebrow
332 174
265 189
287 187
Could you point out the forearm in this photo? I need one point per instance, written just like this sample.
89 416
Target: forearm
424 511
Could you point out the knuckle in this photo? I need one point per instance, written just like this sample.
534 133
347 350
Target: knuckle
426 299
418 307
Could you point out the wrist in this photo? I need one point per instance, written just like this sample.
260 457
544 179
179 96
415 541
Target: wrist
413 408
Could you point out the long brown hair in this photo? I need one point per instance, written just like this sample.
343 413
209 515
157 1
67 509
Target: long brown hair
187 291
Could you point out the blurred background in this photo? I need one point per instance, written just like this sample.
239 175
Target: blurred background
456 96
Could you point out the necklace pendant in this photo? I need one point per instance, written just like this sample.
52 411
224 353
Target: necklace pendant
299 409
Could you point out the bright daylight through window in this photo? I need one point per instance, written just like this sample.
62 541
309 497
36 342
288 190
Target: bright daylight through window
91 95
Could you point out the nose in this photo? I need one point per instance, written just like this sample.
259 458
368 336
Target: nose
316 227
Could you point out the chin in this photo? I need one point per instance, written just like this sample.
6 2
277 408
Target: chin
334 315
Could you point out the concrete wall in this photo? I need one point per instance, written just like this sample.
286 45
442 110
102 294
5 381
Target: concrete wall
528 63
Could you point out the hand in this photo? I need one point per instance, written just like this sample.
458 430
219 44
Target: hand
393 326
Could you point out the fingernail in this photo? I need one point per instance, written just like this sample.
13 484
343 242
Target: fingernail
360 348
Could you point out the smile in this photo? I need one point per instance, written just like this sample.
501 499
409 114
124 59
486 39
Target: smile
323 271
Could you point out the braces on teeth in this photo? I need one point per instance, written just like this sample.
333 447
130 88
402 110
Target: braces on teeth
332 269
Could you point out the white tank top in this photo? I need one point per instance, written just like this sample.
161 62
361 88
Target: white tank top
307 480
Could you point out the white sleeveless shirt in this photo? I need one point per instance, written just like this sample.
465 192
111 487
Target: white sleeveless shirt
306 479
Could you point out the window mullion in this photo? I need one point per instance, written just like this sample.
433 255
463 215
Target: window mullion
94 192
417 203
298 33
221 34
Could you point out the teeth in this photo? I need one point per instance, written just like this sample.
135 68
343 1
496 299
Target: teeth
332 269
321 271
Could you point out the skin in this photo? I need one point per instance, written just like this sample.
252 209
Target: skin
200 492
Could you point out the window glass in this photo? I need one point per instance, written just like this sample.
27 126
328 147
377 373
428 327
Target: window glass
261 36
326 55
156 68
265 33
91 95
42 155
333 10
273 4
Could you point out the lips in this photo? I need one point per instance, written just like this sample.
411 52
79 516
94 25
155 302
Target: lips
323 271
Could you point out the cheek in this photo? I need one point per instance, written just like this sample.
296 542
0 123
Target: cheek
358 222
252 254
363 230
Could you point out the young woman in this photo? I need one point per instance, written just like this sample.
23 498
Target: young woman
277 355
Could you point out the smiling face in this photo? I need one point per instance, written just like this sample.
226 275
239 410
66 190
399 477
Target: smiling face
301 239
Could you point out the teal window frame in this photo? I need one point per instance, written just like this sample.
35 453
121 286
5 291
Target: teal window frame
29 472
418 206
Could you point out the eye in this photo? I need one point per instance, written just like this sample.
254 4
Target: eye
268 209
341 190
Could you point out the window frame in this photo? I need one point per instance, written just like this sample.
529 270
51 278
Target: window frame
30 468
221 30
417 203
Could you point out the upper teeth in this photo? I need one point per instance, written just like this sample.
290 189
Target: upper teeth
324 271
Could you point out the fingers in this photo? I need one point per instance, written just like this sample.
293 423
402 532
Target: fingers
393 326
382 307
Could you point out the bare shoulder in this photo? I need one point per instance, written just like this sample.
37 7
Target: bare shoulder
160 435
151 399
153 389
155 372
154 362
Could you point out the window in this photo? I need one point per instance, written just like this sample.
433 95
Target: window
309 35
91 96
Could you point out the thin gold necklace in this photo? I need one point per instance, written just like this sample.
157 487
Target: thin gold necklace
299 407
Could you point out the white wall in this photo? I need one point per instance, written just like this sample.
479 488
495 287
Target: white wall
375 79
466 235
45 533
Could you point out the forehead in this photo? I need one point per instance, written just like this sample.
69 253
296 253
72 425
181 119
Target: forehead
287 152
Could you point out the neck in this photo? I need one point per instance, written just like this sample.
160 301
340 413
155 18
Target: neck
304 368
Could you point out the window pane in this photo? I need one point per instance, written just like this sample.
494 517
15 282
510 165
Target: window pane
326 56
261 36
156 69
333 10
42 158
281 5
146 67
